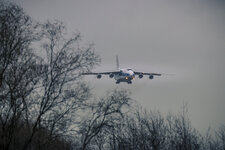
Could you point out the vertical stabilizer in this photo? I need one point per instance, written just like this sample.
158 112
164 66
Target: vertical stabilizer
117 63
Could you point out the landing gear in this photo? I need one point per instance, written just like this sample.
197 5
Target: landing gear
129 82
117 82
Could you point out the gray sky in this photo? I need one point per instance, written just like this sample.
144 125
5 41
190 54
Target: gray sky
185 38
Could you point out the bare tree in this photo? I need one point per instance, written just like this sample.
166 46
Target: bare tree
16 34
104 115
60 94
146 130
219 142
153 129
100 139
19 69
39 93
181 135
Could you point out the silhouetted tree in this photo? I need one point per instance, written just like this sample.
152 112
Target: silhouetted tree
39 92
146 130
19 70
219 142
181 135
153 130
60 93
104 115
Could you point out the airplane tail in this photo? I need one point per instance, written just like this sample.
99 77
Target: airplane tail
117 63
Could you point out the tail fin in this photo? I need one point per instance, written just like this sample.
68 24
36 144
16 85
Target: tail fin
117 62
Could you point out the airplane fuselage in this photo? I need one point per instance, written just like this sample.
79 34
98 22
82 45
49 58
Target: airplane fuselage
125 75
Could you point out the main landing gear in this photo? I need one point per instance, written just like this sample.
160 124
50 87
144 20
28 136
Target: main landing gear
129 82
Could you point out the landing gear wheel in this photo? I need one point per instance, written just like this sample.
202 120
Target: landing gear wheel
117 82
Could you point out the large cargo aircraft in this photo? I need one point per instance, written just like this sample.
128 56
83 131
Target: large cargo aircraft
123 75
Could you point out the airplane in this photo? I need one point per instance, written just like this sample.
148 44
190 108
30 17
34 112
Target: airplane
123 75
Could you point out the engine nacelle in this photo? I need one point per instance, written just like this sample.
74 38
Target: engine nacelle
140 76
111 75
99 76
151 77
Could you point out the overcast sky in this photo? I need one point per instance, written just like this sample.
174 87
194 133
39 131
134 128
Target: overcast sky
185 38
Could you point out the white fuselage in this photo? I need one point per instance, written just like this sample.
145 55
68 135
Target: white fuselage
126 75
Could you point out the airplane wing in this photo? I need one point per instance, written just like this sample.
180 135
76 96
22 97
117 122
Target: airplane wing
147 73
102 73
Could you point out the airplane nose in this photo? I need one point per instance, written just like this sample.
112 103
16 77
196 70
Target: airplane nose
132 76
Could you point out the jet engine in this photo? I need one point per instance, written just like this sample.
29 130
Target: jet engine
99 76
140 76
151 77
111 75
